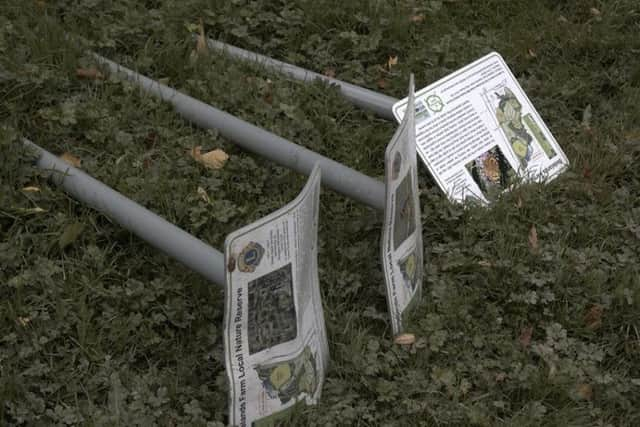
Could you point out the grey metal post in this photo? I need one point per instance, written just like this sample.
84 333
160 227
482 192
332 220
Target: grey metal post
335 175
156 231
367 99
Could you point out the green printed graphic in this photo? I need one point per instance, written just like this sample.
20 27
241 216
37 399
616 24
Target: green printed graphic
404 221
409 269
287 380
509 115
537 133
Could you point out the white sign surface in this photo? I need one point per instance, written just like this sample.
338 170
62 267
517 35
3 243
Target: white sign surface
275 338
402 231
477 131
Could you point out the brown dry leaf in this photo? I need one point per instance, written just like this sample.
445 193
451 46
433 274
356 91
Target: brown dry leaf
213 159
593 318
417 18
31 189
585 391
201 43
532 53
203 195
91 73
23 321
595 12
533 238
382 83
393 60
525 336
329 72
562 19
500 377
405 339
71 159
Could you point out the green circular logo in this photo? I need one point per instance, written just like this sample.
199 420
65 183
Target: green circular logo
434 103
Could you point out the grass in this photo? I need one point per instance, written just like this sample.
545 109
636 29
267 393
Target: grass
107 331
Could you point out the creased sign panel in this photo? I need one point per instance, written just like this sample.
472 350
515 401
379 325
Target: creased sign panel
402 252
275 340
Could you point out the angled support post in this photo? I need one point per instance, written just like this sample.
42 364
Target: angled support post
367 99
153 229
335 175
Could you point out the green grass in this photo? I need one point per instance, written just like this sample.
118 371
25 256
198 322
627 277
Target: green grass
107 331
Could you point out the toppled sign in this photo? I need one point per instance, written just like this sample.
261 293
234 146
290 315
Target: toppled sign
402 252
478 132
275 340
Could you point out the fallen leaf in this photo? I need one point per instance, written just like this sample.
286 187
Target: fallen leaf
393 60
562 19
525 336
500 377
405 339
485 263
31 189
71 159
329 72
532 53
595 12
533 238
203 194
416 18
201 43
519 202
586 172
23 321
585 391
70 234
213 159
382 83
593 318
89 73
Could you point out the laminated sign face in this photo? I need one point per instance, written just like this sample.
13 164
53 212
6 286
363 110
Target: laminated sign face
402 230
478 133
275 339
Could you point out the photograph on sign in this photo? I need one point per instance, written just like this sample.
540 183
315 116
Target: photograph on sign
478 132
402 252
276 348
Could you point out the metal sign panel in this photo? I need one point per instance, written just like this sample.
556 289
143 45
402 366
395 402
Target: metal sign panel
478 132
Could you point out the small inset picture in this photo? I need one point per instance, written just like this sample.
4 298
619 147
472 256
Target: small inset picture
491 171
287 380
404 220
409 266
